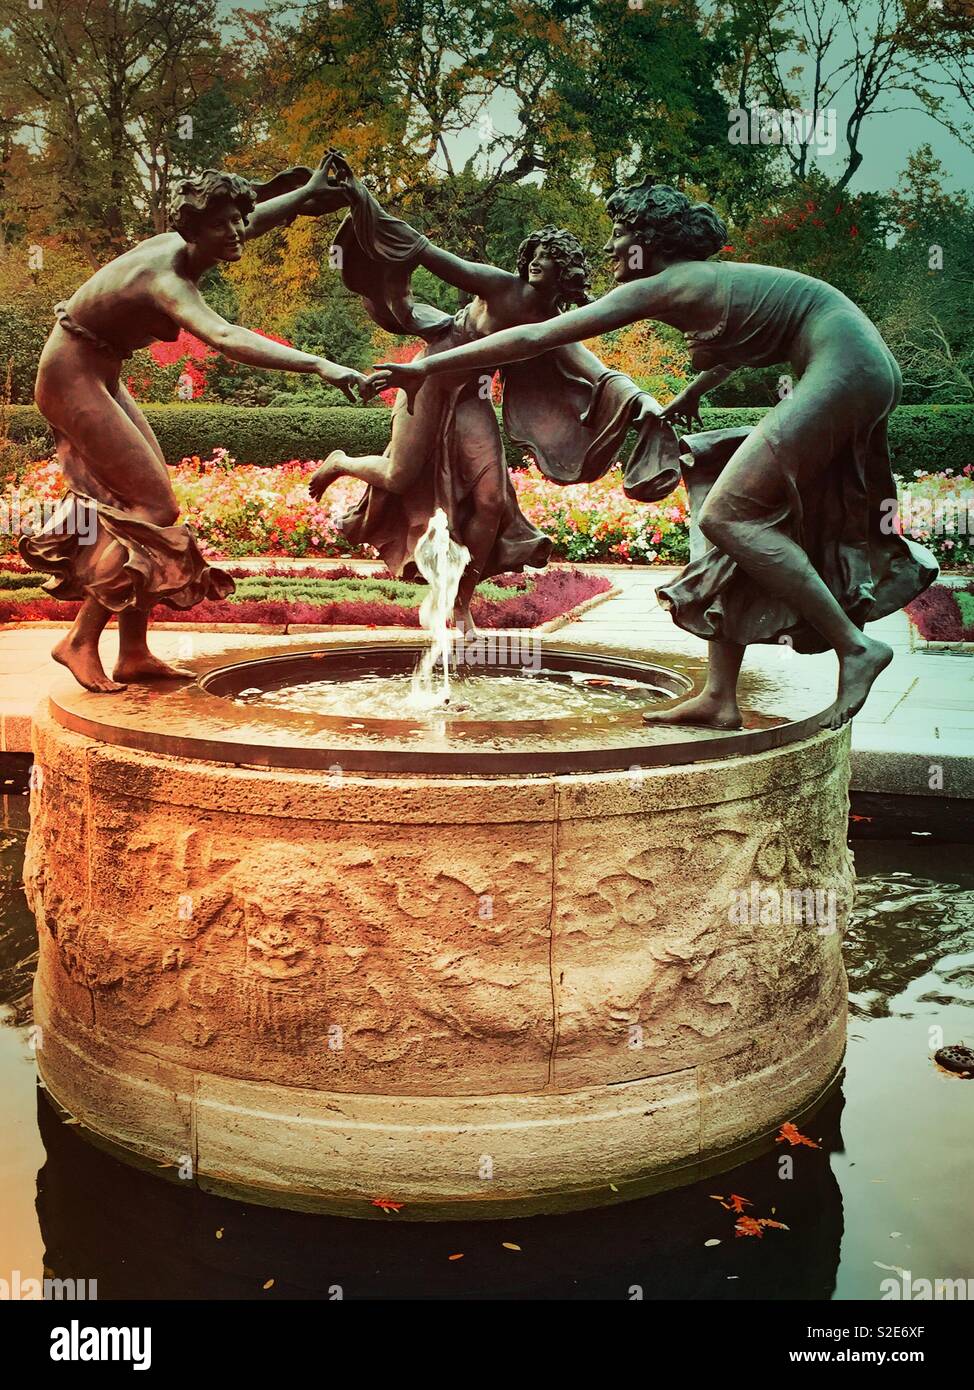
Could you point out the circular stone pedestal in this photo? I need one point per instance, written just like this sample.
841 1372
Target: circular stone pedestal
476 996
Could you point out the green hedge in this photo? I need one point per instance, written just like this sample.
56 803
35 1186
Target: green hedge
930 437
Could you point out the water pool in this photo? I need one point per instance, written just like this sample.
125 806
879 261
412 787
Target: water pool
886 1191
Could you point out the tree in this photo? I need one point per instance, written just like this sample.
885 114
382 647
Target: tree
103 95
878 57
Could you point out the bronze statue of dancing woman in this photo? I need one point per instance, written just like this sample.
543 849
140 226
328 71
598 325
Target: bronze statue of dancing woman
450 454
793 517
114 468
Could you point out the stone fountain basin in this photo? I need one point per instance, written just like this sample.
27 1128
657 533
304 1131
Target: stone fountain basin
312 970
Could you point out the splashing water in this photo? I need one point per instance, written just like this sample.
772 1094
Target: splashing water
441 562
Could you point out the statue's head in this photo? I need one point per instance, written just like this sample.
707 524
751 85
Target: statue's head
653 225
211 212
553 262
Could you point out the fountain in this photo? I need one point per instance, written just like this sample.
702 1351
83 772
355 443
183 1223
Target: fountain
317 960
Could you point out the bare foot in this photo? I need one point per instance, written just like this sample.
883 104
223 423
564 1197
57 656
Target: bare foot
85 665
463 622
322 478
857 671
146 667
708 710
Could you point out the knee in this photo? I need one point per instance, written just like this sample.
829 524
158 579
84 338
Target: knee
716 524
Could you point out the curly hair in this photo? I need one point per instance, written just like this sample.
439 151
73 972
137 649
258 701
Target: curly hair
568 253
666 219
192 198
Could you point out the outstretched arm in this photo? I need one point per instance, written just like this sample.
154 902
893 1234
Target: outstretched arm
469 276
627 304
303 192
186 305
685 406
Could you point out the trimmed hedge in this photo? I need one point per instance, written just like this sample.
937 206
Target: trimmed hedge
928 437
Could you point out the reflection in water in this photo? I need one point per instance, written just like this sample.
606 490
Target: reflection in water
894 1193
907 926
151 1239
18 939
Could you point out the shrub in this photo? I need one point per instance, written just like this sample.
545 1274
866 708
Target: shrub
937 615
932 437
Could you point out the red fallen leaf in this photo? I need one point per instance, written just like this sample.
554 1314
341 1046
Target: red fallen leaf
790 1133
755 1226
387 1204
455 1257
859 818
715 1198
739 1203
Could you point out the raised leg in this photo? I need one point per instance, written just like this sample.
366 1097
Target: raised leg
757 541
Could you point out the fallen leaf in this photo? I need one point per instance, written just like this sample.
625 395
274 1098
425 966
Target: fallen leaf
219 1234
790 1133
387 1204
613 1186
860 818
739 1203
455 1257
775 1225
747 1226
509 1245
269 1284
711 1242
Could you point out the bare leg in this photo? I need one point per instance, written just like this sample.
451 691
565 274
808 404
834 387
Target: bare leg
784 569
758 542
375 469
716 706
78 649
135 661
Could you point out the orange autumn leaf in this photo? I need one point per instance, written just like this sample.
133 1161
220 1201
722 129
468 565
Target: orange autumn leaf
747 1226
775 1225
455 1257
790 1133
387 1204
735 1202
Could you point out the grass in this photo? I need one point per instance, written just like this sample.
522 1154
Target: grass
338 597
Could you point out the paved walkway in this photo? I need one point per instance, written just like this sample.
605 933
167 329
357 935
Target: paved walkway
915 733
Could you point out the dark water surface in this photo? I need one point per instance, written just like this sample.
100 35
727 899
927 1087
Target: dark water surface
889 1189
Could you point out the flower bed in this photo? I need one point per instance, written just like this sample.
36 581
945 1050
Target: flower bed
242 511
943 614
238 510
339 596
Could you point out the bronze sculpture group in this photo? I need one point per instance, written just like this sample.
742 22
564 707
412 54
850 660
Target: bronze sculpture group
787 546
